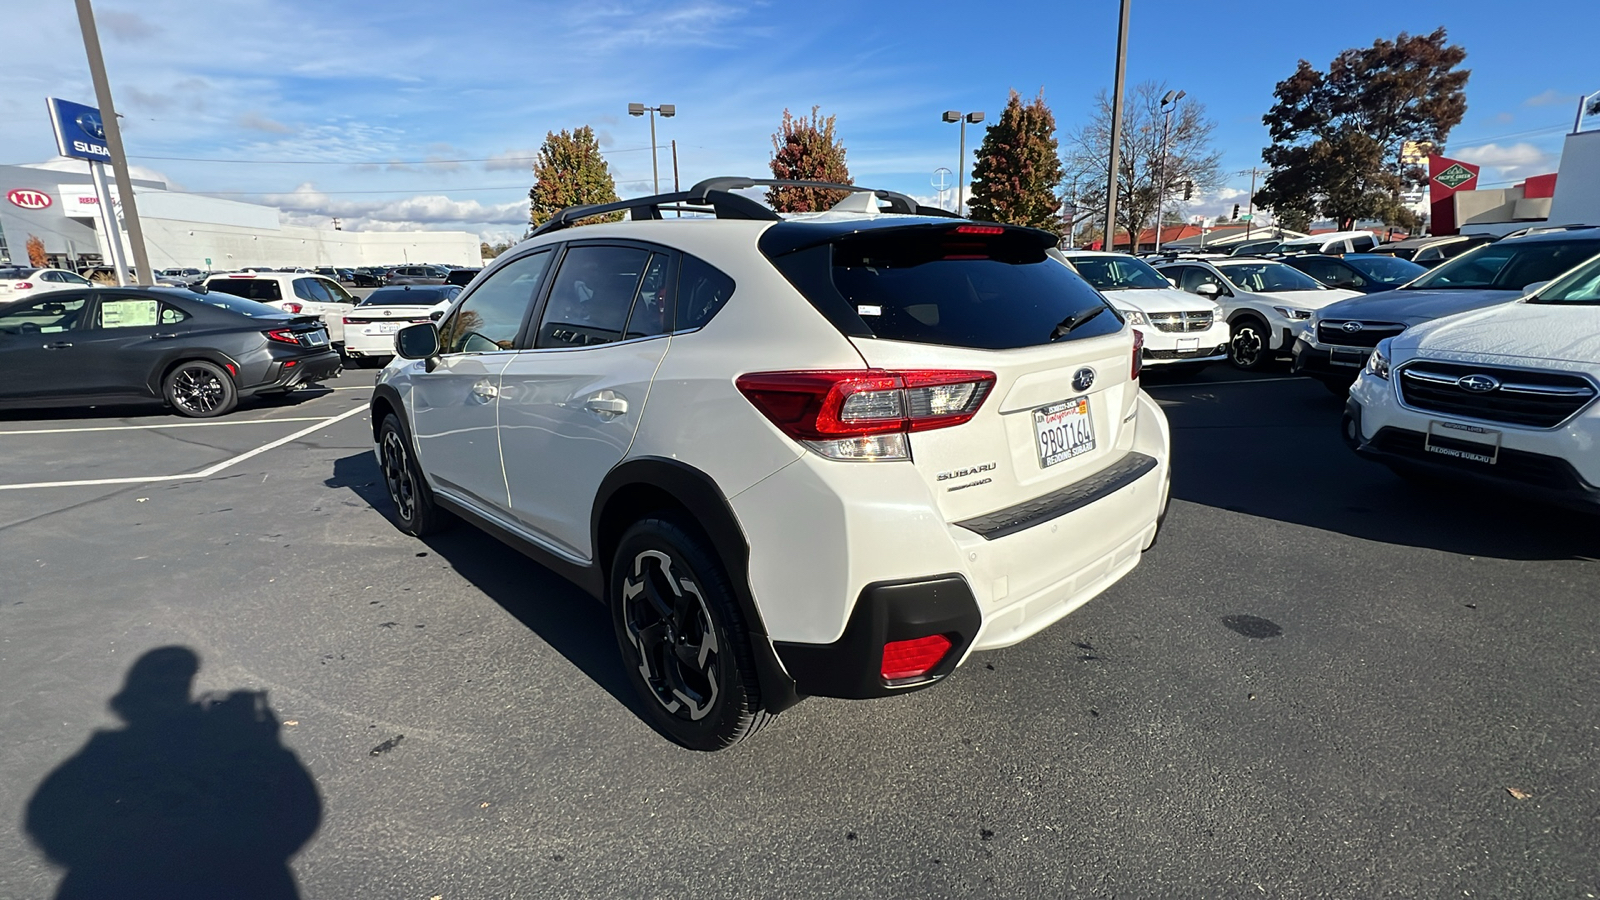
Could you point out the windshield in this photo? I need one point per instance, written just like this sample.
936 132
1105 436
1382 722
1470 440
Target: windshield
1385 269
399 296
1507 265
1268 278
1118 273
1580 286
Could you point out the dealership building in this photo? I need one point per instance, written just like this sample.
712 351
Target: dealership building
56 203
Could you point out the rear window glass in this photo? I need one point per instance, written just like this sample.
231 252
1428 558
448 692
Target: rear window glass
1508 266
399 296
249 288
234 303
935 285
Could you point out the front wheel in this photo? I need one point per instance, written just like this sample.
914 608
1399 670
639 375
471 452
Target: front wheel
200 389
683 640
414 508
1250 347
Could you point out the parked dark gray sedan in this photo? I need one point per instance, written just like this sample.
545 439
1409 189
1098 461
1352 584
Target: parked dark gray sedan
1335 344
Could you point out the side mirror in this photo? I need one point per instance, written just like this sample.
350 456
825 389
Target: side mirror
1209 290
420 341
1535 288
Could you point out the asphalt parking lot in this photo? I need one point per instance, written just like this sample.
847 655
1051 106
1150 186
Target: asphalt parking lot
1322 682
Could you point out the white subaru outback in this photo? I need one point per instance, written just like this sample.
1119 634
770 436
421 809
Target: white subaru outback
824 455
1503 396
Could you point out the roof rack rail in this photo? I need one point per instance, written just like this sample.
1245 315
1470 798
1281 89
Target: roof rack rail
717 193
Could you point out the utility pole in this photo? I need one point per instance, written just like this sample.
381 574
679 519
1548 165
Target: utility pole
1250 223
119 157
1116 133
679 213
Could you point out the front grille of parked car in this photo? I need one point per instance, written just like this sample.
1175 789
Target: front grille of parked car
1218 350
1335 331
1517 397
1513 465
1180 321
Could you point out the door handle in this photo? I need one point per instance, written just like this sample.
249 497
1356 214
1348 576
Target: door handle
606 403
485 391
58 345
162 337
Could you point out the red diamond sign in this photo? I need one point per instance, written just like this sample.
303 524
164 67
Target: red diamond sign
1455 176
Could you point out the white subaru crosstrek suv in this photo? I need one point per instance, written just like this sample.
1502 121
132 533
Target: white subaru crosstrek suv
830 454
1266 302
1503 396
1179 328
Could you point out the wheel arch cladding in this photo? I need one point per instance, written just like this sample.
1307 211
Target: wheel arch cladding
385 400
641 486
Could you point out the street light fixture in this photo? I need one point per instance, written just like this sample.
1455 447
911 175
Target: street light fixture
961 169
1169 103
667 111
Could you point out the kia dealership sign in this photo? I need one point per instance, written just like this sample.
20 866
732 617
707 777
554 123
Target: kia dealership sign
29 199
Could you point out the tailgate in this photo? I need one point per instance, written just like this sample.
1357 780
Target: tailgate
1037 432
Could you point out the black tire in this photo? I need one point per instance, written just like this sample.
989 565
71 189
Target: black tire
684 643
200 389
1250 344
415 511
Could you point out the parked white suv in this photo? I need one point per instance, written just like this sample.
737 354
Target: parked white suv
830 454
1178 327
1503 396
1265 302
295 292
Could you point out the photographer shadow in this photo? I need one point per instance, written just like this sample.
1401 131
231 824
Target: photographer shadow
193 798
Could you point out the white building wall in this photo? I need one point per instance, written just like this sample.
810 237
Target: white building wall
1577 194
174 243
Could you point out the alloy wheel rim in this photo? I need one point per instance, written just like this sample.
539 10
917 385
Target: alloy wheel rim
670 629
1246 347
397 476
198 390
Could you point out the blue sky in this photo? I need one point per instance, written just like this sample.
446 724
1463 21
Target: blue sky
409 114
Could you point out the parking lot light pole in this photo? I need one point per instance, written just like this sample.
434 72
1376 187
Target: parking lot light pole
1169 103
961 168
119 159
1110 242
667 110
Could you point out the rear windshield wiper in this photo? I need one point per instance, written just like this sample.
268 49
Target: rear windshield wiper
1065 326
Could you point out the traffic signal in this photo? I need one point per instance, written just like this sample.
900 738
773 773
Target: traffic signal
1188 189
1236 210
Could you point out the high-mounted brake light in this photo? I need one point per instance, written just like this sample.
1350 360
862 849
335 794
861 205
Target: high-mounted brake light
979 229
913 658
1138 353
282 336
865 414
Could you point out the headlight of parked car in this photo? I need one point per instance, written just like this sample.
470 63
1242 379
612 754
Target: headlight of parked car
1378 362
1133 317
1292 314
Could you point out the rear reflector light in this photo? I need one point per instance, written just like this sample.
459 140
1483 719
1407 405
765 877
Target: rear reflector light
979 229
865 414
291 364
1138 353
282 336
293 307
913 658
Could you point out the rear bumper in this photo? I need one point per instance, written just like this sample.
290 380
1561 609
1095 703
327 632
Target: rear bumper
284 374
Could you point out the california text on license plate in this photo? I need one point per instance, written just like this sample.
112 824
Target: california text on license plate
1062 431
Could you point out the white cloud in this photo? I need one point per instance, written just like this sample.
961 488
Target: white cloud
1509 162
127 26
511 160
257 122
1550 98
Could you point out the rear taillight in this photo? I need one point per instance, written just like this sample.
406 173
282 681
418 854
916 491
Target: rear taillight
865 414
1138 353
22 286
348 321
914 658
292 307
282 336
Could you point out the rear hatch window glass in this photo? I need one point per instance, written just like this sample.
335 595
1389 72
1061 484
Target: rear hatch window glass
411 296
249 288
976 286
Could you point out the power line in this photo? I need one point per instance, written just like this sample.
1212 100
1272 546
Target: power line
453 190
363 162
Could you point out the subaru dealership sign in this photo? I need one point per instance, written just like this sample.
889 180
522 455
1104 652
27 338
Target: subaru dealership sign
79 130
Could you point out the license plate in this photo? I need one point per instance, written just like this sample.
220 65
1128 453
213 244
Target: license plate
317 339
1341 357
1468 442
384 328
1062 431
1188 345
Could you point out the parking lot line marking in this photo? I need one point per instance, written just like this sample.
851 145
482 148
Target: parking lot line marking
207 472
164 425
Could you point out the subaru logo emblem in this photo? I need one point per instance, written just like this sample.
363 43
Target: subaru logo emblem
1351 327
1083 379
92 126
1477 384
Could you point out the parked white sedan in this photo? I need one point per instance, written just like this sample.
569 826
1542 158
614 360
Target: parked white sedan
22 282
369 328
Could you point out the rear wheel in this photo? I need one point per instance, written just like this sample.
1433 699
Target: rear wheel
1250 347
200 389
414 508
684 643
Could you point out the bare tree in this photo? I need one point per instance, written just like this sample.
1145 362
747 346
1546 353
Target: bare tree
1189 156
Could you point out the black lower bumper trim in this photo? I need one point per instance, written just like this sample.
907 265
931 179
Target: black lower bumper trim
1101 484
852 667
1548 479
1317 362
